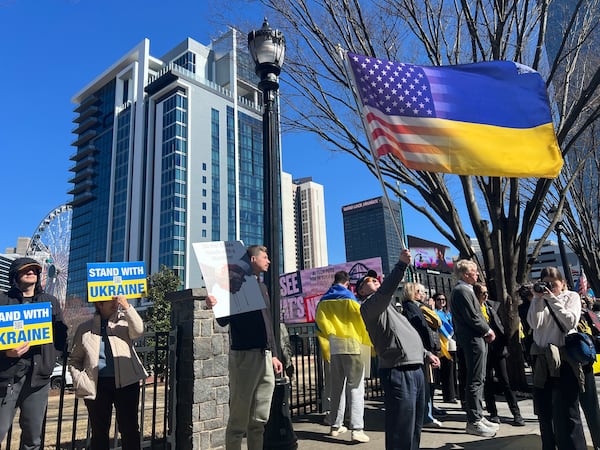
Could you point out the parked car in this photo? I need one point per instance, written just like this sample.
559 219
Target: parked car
56 377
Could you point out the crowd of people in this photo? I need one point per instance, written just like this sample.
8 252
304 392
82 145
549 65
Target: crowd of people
457 342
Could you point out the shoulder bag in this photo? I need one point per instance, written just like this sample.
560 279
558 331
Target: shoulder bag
579 346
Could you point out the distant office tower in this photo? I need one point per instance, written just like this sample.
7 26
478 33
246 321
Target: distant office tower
169 152
369 231
21 248
311 235
5 262
549 256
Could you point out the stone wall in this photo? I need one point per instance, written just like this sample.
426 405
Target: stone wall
202 389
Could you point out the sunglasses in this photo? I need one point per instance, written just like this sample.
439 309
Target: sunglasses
485 294
369 279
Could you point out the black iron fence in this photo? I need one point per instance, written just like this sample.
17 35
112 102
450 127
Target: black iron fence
67 427
66 424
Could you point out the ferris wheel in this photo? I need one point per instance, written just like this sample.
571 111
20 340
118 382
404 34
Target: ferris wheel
50 244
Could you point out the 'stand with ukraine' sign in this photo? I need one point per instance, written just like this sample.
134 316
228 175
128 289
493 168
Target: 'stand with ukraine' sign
28 322
105 280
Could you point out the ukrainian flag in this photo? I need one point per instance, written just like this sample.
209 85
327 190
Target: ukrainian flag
340 318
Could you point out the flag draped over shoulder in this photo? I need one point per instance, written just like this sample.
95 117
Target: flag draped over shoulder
489 119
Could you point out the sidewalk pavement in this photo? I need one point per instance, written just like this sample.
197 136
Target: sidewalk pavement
313 434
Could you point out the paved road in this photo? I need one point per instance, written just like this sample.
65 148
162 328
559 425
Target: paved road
312 435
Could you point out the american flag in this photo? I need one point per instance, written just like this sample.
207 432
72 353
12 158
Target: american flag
474 119
395 88
397 96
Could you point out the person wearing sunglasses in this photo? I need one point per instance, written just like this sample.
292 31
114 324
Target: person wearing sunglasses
401 357
25 369
496 362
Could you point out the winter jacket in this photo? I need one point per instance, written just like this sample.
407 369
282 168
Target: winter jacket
395 340
39 361
123 328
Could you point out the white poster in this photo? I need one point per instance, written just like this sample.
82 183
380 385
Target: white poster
228 276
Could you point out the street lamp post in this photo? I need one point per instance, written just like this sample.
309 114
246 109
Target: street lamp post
553 213
267 47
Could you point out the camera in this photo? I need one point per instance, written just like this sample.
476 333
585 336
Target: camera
540 286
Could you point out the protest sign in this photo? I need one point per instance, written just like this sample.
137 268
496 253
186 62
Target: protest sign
227 272
27 322
105 280
301 290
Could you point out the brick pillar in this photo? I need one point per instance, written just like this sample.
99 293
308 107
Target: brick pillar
202 381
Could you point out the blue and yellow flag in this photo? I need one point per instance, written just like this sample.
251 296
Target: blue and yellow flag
340 318
488 119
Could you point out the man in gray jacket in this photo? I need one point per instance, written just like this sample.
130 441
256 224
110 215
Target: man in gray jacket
472 333
401 356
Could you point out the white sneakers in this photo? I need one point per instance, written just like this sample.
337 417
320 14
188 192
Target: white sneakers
492 425
357 435
480 429
337 431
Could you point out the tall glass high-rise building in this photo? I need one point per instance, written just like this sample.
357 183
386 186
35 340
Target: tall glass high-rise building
370 231
169 152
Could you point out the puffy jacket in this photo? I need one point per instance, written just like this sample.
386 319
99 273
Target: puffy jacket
39 361
122 329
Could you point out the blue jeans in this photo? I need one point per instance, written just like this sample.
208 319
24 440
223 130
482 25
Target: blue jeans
347 379
404 398
32 403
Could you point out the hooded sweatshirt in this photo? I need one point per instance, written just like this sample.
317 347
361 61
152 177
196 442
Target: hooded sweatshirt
39 361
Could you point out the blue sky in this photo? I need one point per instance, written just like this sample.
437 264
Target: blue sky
52 49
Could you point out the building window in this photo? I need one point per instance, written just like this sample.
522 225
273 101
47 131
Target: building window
187 61
173 200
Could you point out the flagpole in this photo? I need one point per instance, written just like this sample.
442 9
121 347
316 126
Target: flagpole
350 77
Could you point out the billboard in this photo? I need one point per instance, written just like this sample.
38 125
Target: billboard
301 290
429 255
